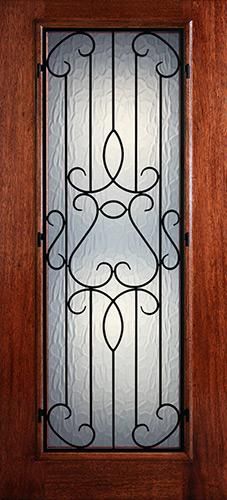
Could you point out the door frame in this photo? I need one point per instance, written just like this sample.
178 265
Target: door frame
199 472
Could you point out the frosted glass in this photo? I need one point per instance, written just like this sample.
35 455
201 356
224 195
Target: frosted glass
113 224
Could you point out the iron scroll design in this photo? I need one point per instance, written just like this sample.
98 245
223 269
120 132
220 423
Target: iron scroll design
105 270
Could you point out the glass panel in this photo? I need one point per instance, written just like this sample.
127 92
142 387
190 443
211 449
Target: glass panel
113 263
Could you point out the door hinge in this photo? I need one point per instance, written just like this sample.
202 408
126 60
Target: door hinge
40 69
187 70
186 239
40 238
185 414
41 414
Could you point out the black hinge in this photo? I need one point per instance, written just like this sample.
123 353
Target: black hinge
41 414
186 239
40 238
187 70
186 414
40 69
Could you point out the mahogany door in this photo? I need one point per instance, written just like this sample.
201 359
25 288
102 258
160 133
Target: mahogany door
197 469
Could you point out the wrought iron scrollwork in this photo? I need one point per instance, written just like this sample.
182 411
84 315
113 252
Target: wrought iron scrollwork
82 54
173 266
112 209
145 426
55 239
69 414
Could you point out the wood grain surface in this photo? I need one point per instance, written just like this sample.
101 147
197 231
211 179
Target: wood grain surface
199 474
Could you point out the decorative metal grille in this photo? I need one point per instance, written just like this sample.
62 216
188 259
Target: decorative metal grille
113 278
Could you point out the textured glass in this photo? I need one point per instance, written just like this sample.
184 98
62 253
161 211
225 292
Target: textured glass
113 234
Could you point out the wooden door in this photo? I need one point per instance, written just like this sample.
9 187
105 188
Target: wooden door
197 472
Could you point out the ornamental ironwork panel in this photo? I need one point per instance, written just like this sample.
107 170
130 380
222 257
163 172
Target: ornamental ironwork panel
113 239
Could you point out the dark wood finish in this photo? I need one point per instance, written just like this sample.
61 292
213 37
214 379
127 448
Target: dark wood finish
199 474
207 266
